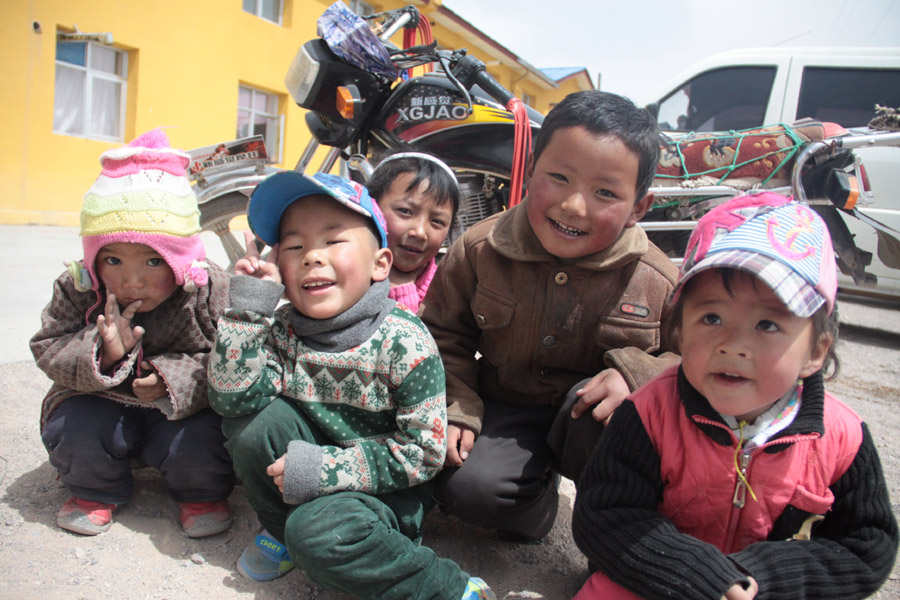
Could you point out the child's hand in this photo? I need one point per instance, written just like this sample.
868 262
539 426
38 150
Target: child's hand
737 591
254 266
607 390
149 388
276 471
459 443
116 332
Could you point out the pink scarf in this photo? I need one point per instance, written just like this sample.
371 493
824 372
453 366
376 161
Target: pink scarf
411 294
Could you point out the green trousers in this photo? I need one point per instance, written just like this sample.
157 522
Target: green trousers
364 545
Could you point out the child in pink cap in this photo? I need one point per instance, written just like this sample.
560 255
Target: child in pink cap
736 475
126 338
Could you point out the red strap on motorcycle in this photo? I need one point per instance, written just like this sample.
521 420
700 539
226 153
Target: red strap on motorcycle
521 149
425 34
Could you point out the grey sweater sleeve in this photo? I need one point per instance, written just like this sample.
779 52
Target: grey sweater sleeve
301 472
250 293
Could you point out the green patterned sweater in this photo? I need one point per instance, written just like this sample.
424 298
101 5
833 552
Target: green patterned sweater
382 403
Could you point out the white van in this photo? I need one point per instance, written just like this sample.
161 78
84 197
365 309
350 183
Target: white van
744 89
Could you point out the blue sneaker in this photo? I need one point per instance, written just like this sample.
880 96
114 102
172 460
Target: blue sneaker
477 589
265 559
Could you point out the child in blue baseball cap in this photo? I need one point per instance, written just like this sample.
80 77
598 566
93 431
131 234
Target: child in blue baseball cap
334 404
737 475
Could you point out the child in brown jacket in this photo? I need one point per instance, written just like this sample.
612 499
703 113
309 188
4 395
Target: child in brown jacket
564 299
126 338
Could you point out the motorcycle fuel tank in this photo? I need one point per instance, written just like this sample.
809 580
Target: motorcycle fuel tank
431 114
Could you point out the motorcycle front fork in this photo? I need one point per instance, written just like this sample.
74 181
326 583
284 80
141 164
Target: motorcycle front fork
306 157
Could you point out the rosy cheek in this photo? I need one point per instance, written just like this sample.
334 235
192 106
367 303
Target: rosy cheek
165 285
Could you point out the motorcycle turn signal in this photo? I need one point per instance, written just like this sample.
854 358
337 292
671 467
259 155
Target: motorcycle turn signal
347 97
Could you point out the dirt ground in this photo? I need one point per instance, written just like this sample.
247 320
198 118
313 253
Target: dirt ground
144 555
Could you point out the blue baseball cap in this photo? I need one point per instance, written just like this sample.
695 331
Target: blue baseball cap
273 196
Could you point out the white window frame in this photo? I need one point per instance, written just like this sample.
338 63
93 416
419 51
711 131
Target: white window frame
257 10
274 147
90 74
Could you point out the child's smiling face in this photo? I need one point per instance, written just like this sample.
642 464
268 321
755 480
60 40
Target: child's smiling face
741 347
135 272
416 224
328 256
581 192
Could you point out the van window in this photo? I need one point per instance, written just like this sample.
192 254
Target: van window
719 100
847 96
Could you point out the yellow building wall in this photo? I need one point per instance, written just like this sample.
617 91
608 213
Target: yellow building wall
569 85
186 60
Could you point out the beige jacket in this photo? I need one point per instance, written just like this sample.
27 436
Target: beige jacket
540 324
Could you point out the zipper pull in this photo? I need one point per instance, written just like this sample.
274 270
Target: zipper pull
740 494
740 490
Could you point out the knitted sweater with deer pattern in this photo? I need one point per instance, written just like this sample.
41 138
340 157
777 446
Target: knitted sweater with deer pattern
380 402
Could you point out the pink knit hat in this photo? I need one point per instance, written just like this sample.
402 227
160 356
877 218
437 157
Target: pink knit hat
143 196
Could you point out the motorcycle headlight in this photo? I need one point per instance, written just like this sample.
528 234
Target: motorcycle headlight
315 76
301 76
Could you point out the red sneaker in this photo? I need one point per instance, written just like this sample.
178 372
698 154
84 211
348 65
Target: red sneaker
200 519
85 517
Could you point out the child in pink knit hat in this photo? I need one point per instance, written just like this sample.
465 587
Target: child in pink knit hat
126 338
419 196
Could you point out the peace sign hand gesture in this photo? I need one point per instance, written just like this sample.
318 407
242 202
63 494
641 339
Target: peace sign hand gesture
118 336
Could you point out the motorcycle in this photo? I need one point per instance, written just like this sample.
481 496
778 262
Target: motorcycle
361 101
459 114
819 169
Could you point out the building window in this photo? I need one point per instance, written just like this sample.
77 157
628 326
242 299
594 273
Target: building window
269 10
363 9
258 115
89 94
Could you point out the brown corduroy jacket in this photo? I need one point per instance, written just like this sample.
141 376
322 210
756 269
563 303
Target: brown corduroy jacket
539 324
179 335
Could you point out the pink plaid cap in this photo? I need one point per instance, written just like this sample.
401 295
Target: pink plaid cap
781 242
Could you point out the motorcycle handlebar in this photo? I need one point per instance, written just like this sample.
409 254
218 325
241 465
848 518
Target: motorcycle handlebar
407 17
471 71
468 70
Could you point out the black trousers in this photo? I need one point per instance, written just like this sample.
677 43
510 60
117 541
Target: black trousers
92 440
509 481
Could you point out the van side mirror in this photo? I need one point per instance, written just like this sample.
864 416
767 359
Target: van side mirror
653 109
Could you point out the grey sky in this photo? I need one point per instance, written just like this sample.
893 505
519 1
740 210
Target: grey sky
637 46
